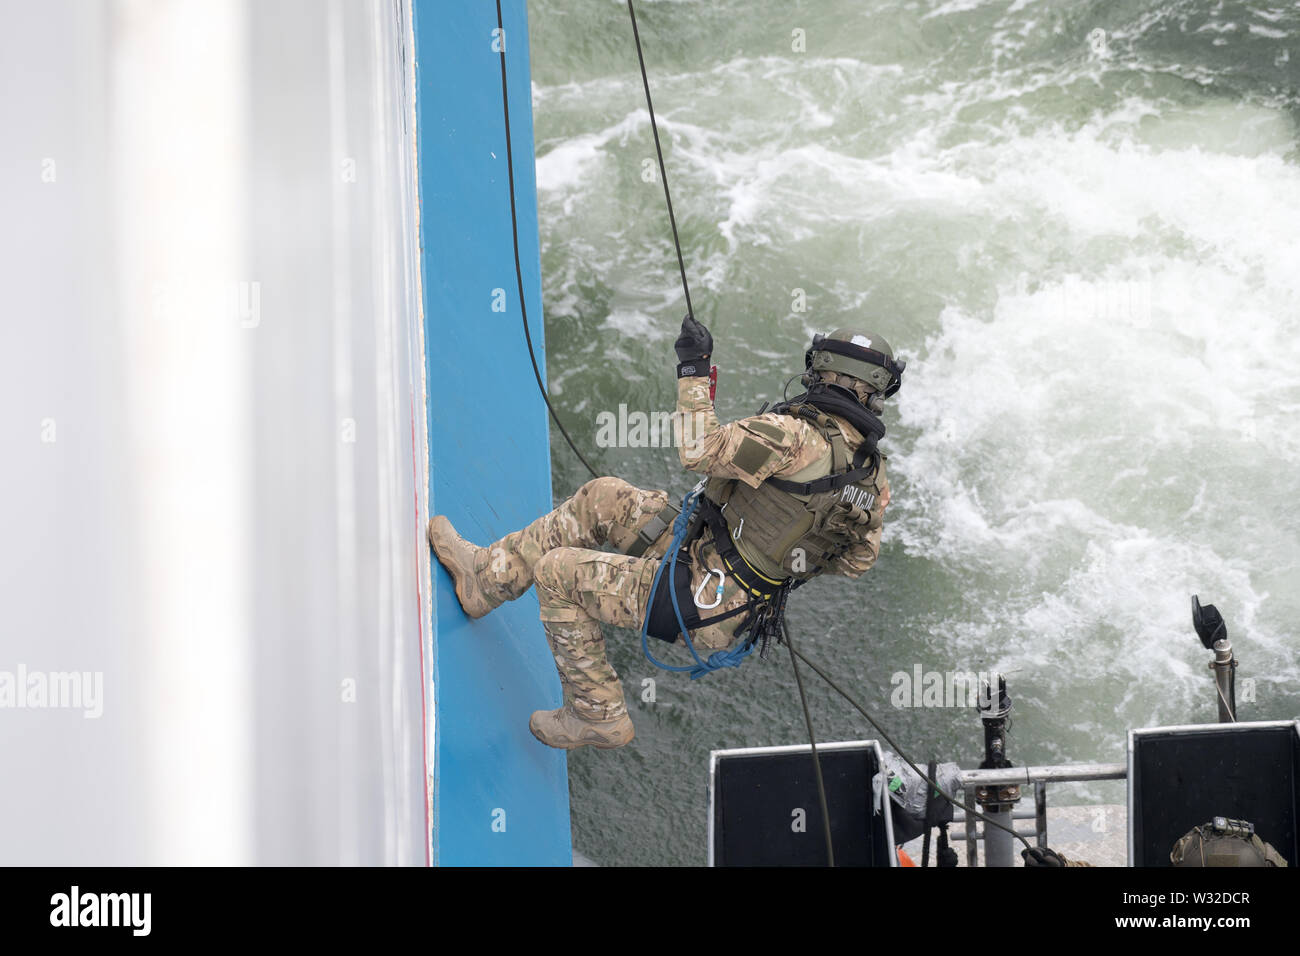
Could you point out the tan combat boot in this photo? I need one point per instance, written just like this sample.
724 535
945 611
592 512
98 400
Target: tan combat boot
463 561
566 730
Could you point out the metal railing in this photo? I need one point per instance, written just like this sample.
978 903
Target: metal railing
999 846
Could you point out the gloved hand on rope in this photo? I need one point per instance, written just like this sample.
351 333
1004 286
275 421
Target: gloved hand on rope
1046 857
694 346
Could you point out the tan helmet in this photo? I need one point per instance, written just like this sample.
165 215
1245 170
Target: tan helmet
1224 842
862 355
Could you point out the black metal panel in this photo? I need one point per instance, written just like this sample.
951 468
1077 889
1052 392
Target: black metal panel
756 801
1182 779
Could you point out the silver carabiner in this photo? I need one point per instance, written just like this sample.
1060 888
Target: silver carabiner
717 597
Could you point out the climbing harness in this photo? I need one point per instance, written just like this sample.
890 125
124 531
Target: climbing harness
685 528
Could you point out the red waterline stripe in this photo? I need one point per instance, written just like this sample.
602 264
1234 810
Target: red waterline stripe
419 601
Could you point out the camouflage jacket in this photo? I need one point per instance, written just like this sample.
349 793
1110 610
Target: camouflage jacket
707 446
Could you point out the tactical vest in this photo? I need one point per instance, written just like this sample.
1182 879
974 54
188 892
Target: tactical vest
793 527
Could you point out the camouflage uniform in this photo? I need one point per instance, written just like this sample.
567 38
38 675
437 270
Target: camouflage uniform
579 587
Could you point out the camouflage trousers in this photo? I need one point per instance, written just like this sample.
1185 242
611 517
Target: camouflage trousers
579 586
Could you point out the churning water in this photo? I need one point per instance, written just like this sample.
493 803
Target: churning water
1077 221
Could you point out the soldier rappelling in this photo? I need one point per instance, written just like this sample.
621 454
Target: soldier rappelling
790 494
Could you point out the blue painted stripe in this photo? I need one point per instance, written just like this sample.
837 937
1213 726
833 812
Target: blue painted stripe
489 450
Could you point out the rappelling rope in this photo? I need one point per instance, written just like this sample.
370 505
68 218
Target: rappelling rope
725 658
663 171
722 658
812 743
970 811
519 272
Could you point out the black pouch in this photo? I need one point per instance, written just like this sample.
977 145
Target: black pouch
663 621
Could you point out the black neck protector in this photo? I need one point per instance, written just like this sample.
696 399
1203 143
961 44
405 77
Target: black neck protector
837 401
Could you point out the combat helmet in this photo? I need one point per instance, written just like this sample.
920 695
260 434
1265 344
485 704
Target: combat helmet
860 355
1224 842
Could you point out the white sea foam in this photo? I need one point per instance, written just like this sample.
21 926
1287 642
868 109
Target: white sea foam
1099 295
1060 441
635 324
566 165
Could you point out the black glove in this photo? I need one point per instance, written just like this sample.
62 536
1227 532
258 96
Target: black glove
1042 856
694 346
